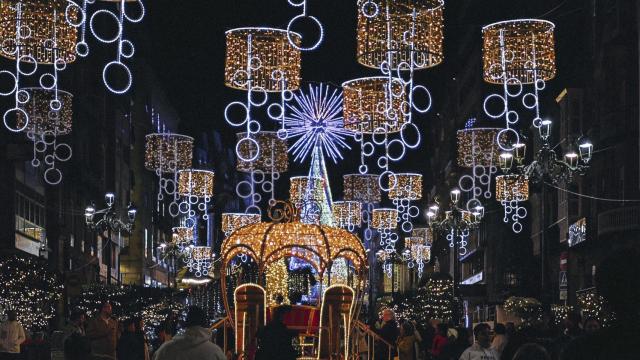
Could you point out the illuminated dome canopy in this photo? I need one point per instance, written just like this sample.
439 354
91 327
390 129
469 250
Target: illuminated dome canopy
267 242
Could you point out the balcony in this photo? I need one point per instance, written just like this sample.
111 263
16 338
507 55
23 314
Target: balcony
620 219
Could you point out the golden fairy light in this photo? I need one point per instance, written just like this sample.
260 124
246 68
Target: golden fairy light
384 219
417 249
42 119
402 31
197 183
272 157
40 23
512 187
347 214
233 221
527 48
168 152
262 58
305 188
405 186
425 233
478 147
362 187
182 234
375 105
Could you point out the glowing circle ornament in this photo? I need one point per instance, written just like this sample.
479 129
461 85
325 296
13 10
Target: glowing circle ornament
200 260
511 191
196 188
405 186
262 58
347 214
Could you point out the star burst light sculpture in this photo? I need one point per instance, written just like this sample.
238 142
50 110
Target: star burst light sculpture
315 120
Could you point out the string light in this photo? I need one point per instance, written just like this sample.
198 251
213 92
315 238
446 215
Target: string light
277 278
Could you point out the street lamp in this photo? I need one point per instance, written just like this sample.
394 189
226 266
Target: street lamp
109 220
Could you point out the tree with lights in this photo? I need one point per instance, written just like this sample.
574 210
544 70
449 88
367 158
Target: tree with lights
30 289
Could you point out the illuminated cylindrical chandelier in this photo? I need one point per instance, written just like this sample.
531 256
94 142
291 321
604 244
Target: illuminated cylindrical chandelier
416 252
196 188
167 154
398 32
384 219
362 187
200 260
233 221
404 188
511 191
307 194
347 214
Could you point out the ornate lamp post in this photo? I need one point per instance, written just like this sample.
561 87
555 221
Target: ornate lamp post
109 220
456 223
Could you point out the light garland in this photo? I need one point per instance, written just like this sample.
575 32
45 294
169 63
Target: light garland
404 188
594 305
425 233
529 310
262 58
414 37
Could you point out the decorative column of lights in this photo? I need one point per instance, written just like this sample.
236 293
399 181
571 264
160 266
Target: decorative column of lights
35 33
258 61
313 120
517 53
44 125
347 214
385 221
511 190
478 151
200 260
167 154
306 194
365 189
125 48
404 188
196 188
294 38
272 160
455 222
109 220
416 252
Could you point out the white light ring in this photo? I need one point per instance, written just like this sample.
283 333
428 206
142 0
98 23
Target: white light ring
512 117
67 15
242 194
516 227
23 96
513 84
390 174
530 104
259 178
127 71
402 146
256 198
253 127
48 76
520 214
260 90
98 37
407 226
57 148
383 162
55 105
31 60
253 143
255 63
414 211
368 149
297 4
82 49
378 132
253 209
267 186
504 107
183 207
404 140
302 48
15 82
537 122
472 204
193 199
9 44
57 176
35 162
131 49
463 185
25 32
277 117
373 10
139 18
363 169
12 129
49 159
246 111
540 84
236 76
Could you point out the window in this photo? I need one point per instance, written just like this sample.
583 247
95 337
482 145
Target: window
30 217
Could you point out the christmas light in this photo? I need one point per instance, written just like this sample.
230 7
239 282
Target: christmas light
277 278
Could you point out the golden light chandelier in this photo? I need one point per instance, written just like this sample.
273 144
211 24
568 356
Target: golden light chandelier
166 153
528 47
513 187
262 58
375 105
362 187
197 183
384 219
41 119
402 31
233 221
347 214
478 147
406 186
305 188
272 158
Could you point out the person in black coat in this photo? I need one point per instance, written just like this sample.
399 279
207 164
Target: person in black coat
275 339
389 332
132 344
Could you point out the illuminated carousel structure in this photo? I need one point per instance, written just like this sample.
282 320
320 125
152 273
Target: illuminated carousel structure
318 245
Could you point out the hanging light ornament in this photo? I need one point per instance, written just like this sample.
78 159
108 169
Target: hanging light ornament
233 221
44 125
416 253
294 38
363 188
259 61
404 188
347 214
511 191
200 260
306 193
385 221
517 53
166 154
479 151
115 69
196 188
